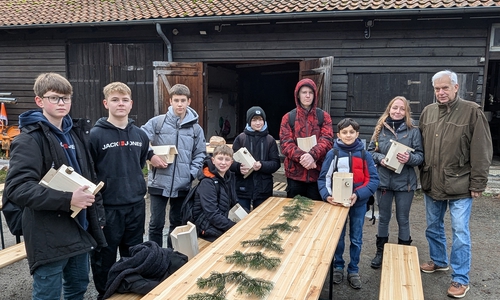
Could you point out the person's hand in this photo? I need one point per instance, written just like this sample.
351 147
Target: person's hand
382 162
403 157
244 169
475 194
82 199
157 162
257 165
353 199
307 161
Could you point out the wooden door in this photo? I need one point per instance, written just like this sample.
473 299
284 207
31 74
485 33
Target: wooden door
319 70
167 74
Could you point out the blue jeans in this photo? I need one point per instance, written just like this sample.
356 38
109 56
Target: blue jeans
461 252
356 221
70 275
157 222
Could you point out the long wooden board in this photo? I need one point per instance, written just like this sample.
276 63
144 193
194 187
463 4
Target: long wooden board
304 263
400 277
12 254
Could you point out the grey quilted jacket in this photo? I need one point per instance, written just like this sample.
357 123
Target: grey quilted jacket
188 137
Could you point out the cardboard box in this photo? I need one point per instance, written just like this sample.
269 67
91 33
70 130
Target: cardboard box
67 180
167 152
243 156
185 240
342 188
391 161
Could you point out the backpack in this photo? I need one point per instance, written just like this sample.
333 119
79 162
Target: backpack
188 202
293 114
12 212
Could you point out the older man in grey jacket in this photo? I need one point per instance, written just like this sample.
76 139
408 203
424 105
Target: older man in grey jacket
171 182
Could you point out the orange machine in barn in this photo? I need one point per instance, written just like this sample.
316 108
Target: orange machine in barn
8 132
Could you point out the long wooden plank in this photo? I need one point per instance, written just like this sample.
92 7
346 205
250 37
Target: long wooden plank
12 254
400 277
304 263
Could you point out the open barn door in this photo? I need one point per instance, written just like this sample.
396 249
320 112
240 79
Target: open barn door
167 74
319 70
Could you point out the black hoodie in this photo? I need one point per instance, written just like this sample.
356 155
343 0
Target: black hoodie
119 156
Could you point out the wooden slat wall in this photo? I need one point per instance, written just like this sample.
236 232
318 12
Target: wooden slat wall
20 63
395 46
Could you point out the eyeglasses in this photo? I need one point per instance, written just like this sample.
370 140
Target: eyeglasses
56 99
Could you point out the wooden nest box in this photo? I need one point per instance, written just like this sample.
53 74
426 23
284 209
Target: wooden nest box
391 161
342 188
67 180
167 152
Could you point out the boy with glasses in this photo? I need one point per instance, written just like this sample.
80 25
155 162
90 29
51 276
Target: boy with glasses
57 245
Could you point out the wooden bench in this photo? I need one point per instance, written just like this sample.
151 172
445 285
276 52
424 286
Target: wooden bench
12 254
400 277
279 189
202 244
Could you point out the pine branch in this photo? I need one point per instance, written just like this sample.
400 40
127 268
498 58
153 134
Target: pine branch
246 285
296 210
255 260
255 287
282 227
268 241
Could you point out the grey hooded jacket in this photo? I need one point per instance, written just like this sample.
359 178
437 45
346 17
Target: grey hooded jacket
189 139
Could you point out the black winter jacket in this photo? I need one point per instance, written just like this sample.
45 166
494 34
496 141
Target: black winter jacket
263 147
211 208
50 233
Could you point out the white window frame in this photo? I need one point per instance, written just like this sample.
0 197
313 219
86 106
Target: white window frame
495 28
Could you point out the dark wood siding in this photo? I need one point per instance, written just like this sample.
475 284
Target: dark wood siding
93 65
402 46
20 63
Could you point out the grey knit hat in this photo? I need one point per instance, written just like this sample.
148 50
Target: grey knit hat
255 111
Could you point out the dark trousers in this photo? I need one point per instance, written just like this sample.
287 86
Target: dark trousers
306 189
124 229
158 212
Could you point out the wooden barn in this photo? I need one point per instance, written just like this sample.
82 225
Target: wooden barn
234 54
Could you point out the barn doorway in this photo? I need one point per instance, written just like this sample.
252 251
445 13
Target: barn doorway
234 88
492 103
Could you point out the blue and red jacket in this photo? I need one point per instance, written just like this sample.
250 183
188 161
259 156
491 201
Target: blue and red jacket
353 159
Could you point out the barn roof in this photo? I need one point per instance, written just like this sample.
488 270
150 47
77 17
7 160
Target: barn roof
55 13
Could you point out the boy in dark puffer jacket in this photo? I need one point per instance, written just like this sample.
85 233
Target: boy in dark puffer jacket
258 185
211 203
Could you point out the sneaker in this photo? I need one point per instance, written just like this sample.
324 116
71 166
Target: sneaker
354 280
338 275
431 267
457 290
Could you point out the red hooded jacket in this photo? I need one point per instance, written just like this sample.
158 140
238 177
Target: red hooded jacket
306 124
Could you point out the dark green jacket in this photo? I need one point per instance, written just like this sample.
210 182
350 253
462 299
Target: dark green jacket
457 149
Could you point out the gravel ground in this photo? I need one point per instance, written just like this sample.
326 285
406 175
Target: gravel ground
15 281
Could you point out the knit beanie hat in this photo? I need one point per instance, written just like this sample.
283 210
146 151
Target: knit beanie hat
255 111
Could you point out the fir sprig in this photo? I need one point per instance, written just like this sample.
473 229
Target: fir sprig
296 210
246 285
282 227
255 286
266 240
217 295
257 260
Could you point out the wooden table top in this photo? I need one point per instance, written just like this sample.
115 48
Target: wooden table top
304 263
